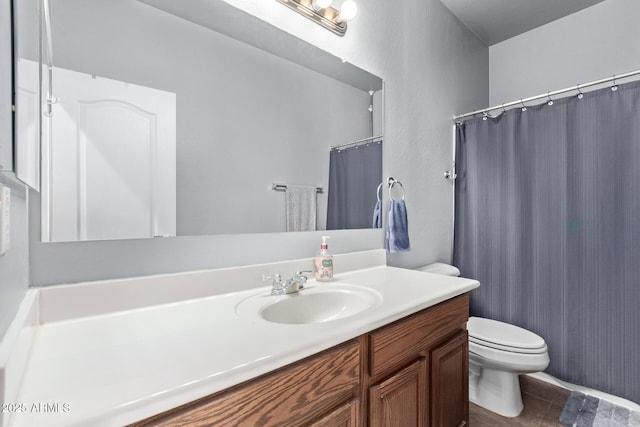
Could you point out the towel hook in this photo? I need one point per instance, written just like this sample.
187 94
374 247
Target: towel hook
393 182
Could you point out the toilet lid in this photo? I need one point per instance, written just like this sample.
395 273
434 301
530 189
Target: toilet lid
493 333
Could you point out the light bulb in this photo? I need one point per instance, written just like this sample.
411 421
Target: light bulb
349 10
322 4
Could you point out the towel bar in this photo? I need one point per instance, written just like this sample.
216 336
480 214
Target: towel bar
283 187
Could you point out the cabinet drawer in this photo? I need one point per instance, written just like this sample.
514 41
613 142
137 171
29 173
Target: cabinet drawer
290 396
348 415
394 344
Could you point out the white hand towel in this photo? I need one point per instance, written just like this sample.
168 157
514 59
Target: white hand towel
301 208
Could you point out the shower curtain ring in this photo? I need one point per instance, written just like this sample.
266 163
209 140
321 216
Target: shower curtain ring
504 110
580 95
524 107
550 102
615 85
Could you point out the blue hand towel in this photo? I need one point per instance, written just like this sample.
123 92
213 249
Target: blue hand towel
397 227
377 215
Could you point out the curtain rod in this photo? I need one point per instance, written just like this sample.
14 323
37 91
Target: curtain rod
354 143
547 95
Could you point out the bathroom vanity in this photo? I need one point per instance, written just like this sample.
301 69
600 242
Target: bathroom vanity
411 372
183 349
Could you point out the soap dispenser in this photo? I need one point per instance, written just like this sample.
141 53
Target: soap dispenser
324 262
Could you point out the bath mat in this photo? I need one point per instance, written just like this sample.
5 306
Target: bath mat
582 410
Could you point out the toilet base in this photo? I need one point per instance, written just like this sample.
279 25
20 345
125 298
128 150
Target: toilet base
497 391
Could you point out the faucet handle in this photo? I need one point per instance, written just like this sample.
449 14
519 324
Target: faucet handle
302 273
277 286
277 278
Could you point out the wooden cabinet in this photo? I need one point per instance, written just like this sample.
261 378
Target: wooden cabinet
402 399
450 382
347 415
412 372
419 368
292 396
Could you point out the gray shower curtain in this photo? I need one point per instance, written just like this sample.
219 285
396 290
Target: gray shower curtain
354 176
548 220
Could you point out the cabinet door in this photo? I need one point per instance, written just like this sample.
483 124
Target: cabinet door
346 415
402 399
450 383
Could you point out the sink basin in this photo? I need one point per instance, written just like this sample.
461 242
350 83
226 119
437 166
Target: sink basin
315 304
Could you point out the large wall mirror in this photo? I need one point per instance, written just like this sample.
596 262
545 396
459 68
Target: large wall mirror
192 117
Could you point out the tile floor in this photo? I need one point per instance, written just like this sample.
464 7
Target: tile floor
543 403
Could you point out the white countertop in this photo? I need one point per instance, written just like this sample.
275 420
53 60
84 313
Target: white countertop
116 368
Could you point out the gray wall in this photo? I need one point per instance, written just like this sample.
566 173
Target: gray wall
597 42
14 263
14 268
433 67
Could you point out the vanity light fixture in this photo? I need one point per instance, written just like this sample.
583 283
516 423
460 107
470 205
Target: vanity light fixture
321 12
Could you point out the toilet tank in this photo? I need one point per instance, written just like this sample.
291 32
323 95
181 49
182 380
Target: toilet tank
440 268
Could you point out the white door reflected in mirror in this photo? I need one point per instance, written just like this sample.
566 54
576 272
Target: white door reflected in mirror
109 156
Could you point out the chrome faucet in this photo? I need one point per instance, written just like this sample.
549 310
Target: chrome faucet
299 278
277 286
291 286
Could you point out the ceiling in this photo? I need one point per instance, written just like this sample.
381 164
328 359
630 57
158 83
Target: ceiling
496 20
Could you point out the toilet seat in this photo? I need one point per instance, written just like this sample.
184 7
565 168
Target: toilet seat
503 336
507 348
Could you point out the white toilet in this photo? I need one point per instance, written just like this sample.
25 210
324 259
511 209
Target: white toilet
498 354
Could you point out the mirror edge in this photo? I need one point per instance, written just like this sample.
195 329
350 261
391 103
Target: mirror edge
26 160
7 74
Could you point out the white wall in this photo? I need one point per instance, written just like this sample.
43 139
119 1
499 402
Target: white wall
433 67
597 42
